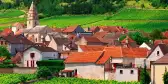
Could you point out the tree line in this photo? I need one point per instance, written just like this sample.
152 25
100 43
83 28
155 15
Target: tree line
58 7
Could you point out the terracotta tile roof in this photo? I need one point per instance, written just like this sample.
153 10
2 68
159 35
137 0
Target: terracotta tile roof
162 60
2 58
6 32
92 39
83 57
57 29
127 39
86 48
112 28
93 29
162 41
100 34
165 34
120 52
61 41
19 32
70 29
17 58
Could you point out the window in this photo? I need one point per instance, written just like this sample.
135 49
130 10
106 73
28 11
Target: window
121 71
132 72
32 55
36 39
157 53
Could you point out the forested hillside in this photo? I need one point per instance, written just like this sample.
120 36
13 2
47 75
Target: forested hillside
57 7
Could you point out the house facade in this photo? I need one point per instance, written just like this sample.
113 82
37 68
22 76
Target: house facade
37 53
159 51
158 68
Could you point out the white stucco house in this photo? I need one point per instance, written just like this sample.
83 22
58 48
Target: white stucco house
159 51
37 53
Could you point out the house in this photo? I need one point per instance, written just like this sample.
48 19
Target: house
85 64
17 26
161 41
57 43
89 40
87 48
51 35
100 34
15 44
156 53
146 45
94 29
126 74
36 53
73 29
128 42
6 32
106 62
158 68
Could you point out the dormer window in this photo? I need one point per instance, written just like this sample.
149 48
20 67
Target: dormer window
157 53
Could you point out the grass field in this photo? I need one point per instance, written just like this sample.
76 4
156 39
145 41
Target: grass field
64 21
80 81
8 17
133 19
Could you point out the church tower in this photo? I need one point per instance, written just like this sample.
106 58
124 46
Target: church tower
32 19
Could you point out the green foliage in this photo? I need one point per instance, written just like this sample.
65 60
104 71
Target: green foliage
165 77
81 81
122 37
4 52
14 78
144 76
139 38
22 79
53 65
156 34
43 72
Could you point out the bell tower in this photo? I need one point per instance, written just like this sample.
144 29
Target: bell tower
32 18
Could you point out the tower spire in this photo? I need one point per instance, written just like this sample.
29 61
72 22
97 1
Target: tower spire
32 19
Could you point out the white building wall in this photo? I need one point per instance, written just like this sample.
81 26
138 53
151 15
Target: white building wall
65 48
139 62
144 45
26 56
87 70
153 56
126 76
79 49
117 60
53 45
49 55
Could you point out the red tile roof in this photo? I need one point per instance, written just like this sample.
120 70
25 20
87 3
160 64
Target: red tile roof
18 24
70 29
100 34
17 58
87 48
113 28
94 28
99 57
6 32
165 34
92 39
84 57
2 58
19 32
162 41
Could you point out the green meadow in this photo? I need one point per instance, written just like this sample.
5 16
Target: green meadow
133 19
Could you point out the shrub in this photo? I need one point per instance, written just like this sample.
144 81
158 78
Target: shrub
54 65
22 79
165 78
144 77
43 72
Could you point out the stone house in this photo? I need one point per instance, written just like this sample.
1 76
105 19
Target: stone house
157 52
15 44
158 69
36 53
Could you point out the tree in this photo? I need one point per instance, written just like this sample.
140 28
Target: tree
165 76
43 72
4 52
144 75
156 34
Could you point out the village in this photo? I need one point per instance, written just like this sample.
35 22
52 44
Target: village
96 52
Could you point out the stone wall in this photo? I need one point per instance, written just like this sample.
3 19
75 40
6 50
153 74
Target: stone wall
20 70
